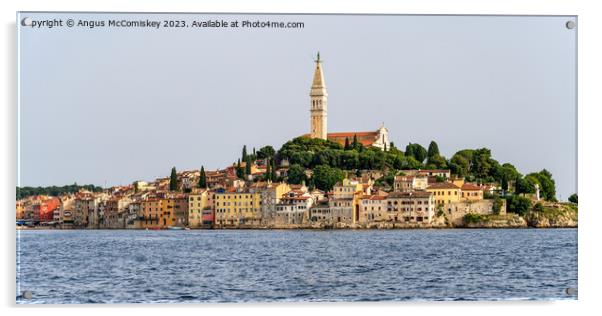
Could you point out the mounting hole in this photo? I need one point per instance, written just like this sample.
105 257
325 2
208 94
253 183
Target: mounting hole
570 25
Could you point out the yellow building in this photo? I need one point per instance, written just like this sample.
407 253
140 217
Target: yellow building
198 200
158 212
237 208
444 193
471 192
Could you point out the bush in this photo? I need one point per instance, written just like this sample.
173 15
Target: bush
518 204
471 218
538 207
497 205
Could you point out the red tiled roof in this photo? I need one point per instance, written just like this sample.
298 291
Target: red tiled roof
470 187
352 134
442 185
373 197
415 194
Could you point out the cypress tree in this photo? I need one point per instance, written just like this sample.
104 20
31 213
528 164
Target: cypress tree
273 176
355 143
240 173
244 153
248 166
433 150
173 180
268 172
203 178
346 143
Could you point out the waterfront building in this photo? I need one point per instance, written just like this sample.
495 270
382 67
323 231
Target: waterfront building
293 208
471 192
151 212
444 192
344 201
416 206
320 213
20 207
134 215
198 201
180 210
114 211
270 194
237 207
373 208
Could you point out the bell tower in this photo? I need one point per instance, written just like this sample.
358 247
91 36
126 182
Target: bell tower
319 103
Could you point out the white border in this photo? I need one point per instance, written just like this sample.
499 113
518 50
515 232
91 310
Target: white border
589 23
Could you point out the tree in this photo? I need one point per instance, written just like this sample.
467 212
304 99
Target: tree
481 163
497 205
266 152
350 160
244 153
240 172
273 176
347 146
518 204
296 174
433 150
248 166
547 186
573 198
268 172
436 162
203 178
173 180
325 177
416 151
504 183
523 185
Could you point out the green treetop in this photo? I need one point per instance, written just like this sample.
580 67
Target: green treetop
203 178
173 180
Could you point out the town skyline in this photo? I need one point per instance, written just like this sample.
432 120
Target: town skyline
361 95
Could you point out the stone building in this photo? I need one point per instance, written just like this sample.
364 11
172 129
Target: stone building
408 207
373 208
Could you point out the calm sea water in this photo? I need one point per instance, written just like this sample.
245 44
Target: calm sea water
249 265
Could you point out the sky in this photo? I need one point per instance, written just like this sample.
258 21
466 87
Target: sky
109 106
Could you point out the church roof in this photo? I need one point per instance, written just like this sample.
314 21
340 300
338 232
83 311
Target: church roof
352 134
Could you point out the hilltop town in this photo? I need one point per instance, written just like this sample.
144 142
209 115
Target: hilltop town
356 179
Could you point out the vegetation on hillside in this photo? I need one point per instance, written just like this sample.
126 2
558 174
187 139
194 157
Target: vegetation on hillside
23 192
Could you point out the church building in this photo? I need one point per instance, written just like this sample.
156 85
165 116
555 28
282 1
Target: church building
319 118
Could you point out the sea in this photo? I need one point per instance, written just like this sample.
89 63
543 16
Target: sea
214 266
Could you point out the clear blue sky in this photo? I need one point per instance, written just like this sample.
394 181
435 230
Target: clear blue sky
109 106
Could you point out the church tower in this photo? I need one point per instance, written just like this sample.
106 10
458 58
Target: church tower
319 104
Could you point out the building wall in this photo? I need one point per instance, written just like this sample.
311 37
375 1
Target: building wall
236 208
445 196
455 212
197 202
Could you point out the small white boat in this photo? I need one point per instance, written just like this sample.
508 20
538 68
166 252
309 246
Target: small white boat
175 228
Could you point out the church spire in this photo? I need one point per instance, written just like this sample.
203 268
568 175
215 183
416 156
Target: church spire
319 103
318 86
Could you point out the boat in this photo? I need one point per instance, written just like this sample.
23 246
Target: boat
175 228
